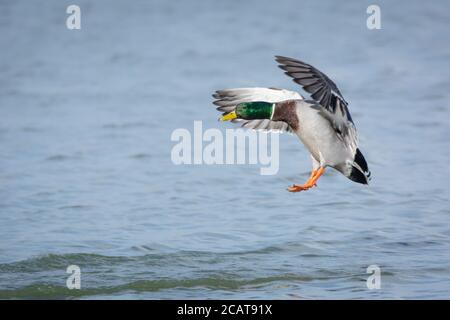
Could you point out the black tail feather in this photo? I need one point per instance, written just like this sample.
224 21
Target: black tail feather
358 175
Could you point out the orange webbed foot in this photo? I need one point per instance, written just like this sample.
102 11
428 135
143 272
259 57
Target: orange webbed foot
298 188
315 175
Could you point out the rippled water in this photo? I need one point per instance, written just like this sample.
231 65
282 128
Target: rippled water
86 176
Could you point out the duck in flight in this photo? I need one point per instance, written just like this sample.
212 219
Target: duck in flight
323 124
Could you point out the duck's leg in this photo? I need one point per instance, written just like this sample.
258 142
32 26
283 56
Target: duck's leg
315 175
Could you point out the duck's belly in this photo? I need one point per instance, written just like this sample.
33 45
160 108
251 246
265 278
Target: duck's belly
319 137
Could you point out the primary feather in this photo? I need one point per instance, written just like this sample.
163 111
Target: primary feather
326 93
228 99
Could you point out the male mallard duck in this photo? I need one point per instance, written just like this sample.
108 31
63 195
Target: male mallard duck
324 124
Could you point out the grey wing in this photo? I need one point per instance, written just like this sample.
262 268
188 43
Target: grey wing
227 99
266 125
325 92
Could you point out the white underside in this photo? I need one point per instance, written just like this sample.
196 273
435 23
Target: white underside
320 138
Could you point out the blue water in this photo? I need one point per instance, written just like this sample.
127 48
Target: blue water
86 176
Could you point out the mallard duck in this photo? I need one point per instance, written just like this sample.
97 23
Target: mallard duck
323 124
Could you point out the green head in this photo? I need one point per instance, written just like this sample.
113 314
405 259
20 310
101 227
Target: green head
254 110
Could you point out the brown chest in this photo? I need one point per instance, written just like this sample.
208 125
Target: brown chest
287 111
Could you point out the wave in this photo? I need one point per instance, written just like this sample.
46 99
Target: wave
44 277
56 261
50 291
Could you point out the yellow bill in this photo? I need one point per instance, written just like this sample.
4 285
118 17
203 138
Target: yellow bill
229 116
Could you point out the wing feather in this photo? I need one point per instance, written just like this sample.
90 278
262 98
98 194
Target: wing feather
325 92
228 99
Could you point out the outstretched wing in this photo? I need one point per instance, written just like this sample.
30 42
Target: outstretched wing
228 99
325 92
